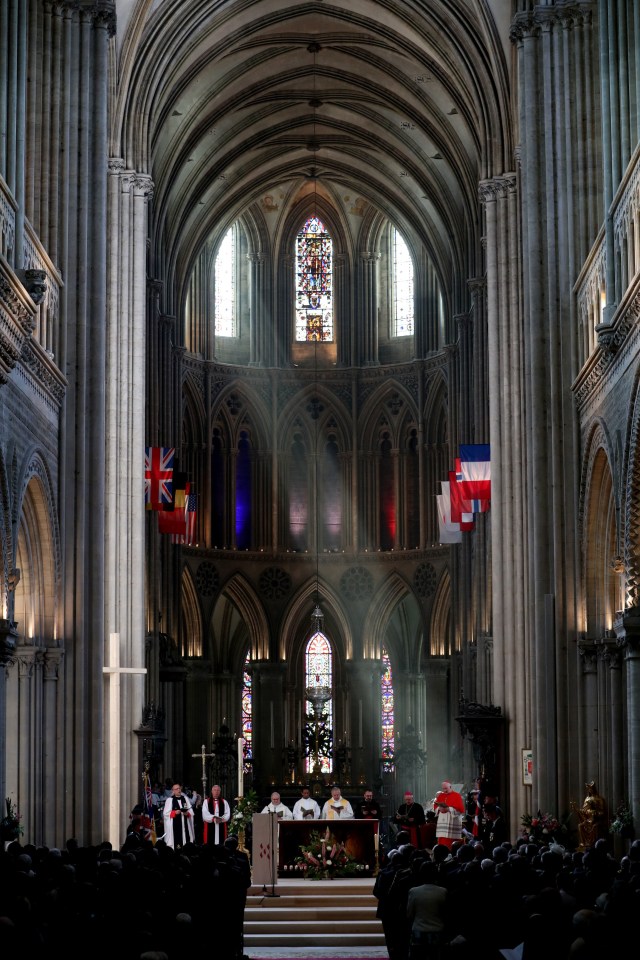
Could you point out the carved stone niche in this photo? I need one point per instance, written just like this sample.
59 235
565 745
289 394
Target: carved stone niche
483 725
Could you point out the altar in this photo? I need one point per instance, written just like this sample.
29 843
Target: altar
360 838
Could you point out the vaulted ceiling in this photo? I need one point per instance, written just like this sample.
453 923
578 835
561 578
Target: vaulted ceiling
396 105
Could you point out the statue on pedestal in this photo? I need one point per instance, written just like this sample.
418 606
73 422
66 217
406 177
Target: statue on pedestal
592 816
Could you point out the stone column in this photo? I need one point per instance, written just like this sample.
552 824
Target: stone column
368 352
129 195
363 727
257 323
51 716
627 628
588 744
268 722
612 658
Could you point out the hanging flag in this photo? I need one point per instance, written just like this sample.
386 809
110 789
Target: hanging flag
475 469
461 511
449 532
174 521
158 477
475 505
190 509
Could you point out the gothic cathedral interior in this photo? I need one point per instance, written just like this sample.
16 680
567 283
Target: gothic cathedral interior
319 401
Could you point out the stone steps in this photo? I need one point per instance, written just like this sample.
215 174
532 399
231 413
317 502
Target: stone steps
313 913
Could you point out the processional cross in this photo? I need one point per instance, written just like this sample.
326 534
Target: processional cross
204 755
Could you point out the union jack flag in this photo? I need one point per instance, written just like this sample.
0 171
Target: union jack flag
158 477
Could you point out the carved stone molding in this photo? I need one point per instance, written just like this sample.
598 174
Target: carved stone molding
8 641
543 18
52 659
588 653
36 283
17 320
498 188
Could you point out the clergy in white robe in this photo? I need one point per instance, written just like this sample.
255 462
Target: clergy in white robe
277 807
306 807
178 819
337 808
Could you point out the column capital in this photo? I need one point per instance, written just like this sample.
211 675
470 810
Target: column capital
498 188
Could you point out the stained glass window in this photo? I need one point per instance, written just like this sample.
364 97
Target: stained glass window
319 673
225 286
314 314
387 721
402 287
247 726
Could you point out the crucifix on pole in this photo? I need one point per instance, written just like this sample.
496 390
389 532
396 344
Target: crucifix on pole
204 755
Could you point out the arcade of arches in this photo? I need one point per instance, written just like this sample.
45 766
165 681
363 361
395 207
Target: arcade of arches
315 247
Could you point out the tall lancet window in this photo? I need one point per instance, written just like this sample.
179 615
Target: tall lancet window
388 520
243 492
247 714
298 495
387 714
402 287
318 663
314 301
225 287
331 496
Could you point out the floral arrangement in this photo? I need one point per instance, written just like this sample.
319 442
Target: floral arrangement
325 858
623 822
10 828
541 826
243 812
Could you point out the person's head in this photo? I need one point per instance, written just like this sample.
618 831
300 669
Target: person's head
408 797
306 793
275 798
176 789
335 791
446 786
231 843
216 791
368 795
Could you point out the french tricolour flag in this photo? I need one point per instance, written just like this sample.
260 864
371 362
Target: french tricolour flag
449 531
475 471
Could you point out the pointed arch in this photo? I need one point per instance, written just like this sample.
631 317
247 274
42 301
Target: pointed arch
600 538
239 623
440 627
296 620
37 555
192 641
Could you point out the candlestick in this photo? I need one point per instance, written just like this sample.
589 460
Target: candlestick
240 765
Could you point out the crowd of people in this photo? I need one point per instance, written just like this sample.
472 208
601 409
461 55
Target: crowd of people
517 901
450 885
145 900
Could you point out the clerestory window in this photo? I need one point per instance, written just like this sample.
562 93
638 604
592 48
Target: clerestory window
314 304
402 287
225 286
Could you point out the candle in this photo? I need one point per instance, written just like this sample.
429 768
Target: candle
240 765
273 736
